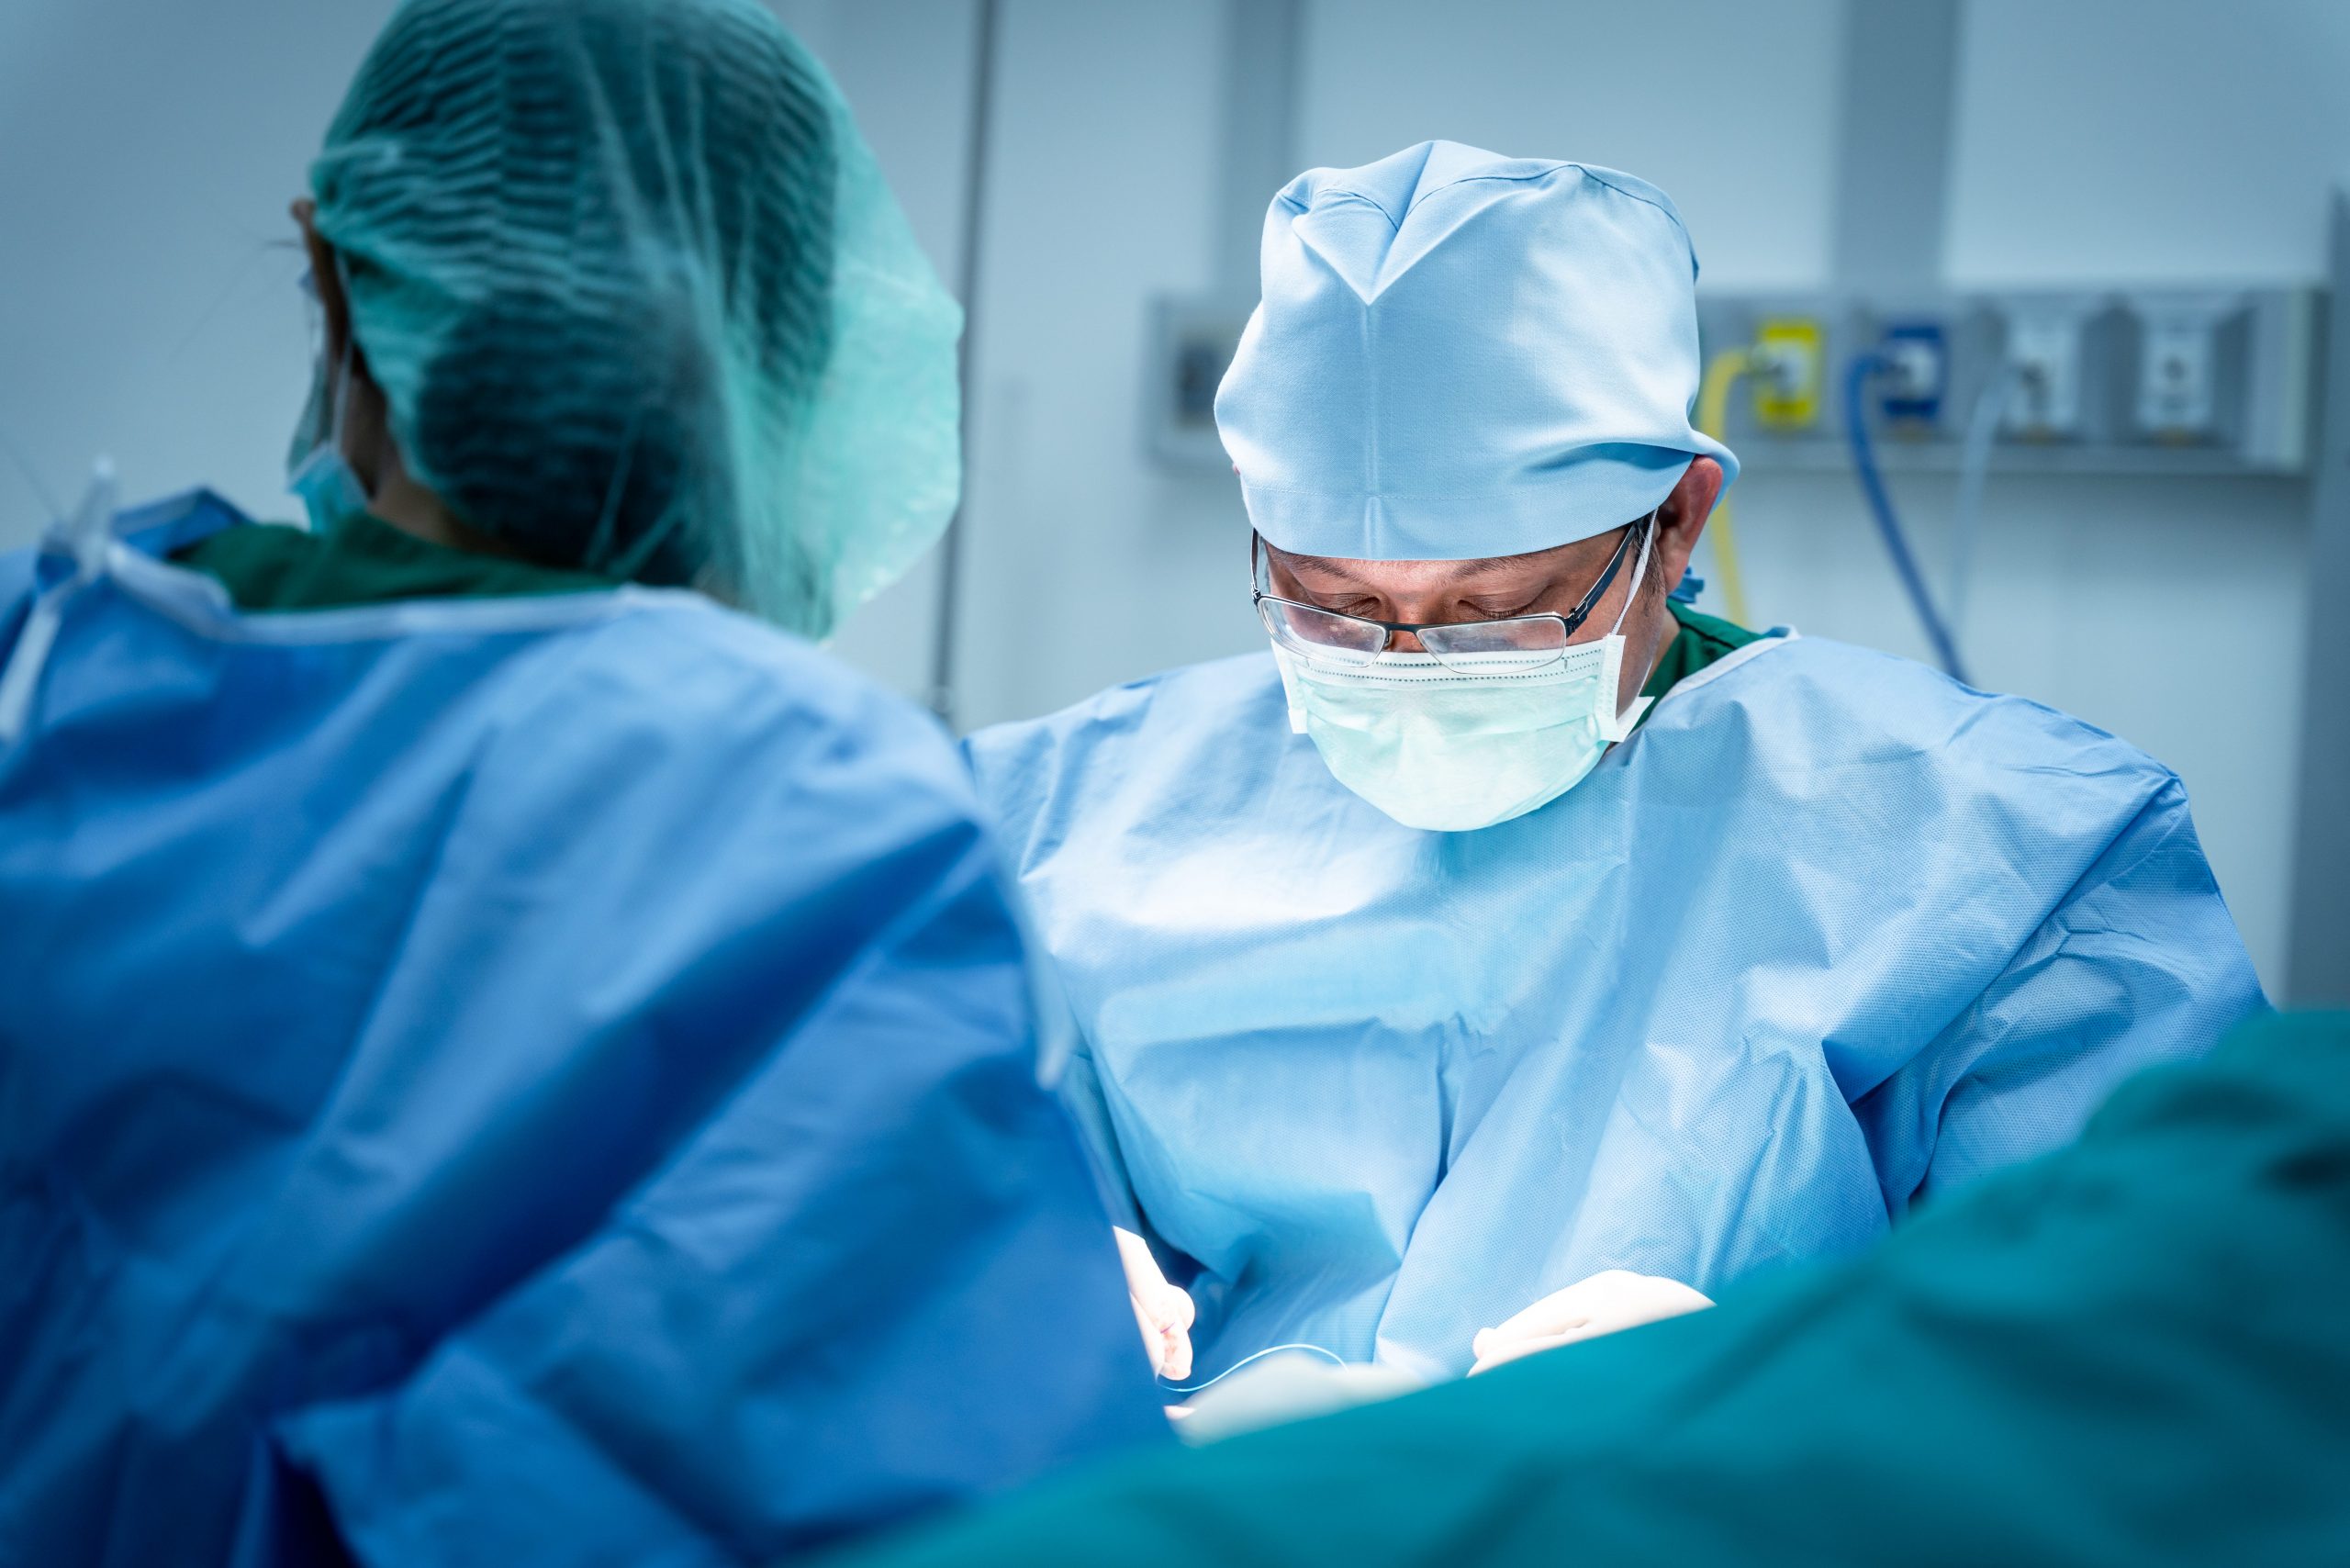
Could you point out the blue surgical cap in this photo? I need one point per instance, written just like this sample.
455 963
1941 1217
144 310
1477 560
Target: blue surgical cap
1462 355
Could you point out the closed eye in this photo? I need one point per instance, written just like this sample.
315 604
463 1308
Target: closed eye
1498 612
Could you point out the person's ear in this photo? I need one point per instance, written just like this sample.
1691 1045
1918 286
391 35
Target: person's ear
325 278
1682 519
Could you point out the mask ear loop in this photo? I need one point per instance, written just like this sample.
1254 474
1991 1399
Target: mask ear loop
328 447
1261 580
338 391
1640 570
1624 718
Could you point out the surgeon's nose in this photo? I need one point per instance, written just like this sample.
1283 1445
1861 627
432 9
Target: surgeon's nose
1403 642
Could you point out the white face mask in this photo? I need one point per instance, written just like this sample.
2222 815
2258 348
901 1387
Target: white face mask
1453 748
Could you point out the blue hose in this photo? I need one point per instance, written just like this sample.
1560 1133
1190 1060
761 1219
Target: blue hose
1897 543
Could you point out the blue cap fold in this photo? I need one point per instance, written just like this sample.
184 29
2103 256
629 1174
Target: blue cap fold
1462 355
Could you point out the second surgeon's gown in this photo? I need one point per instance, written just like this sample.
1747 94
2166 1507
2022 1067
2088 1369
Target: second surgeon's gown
534 1080
1829 932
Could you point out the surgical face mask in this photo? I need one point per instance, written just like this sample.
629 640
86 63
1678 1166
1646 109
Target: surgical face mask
1456 747
315 469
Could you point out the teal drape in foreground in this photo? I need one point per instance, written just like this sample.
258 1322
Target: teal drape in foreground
2136 1349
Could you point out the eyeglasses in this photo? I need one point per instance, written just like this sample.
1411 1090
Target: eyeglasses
1516 642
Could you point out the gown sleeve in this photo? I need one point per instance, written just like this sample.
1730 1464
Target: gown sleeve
2140 963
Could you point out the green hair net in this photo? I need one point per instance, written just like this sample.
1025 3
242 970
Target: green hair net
639 300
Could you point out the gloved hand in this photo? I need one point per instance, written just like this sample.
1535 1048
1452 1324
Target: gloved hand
1164 1311
1601 1305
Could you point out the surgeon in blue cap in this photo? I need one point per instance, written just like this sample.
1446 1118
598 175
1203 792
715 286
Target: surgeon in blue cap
1513 953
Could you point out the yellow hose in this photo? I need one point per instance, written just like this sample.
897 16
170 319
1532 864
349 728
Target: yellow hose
1713 408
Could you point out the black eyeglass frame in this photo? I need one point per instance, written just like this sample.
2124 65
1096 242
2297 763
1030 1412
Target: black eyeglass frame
1569 622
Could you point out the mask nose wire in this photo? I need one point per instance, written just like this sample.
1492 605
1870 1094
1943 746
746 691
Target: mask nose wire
339 389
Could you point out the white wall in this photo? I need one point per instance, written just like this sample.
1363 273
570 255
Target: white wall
2091 145
1088 564
2160 142
905 67
148 147
2085 149
2157 141
148 300
1671 90
1084 563
2147 141
2092 141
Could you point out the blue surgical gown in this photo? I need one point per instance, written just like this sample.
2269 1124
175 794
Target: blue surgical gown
1828 934
526 1081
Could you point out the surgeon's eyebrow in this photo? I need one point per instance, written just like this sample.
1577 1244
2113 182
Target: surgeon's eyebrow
1461 571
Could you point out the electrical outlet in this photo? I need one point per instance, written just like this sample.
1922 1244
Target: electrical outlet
1915 356
2046 343
2179 363
1786 368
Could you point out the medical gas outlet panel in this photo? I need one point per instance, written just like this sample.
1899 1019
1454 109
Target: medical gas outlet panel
2216 381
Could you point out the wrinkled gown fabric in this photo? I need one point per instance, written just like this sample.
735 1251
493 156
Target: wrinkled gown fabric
1829 933
2130 1352
530 1080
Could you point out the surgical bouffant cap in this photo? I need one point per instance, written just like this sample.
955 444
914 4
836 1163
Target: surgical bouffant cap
1460 356
639 300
